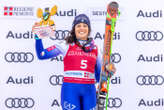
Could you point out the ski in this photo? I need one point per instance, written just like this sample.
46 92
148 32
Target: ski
111 17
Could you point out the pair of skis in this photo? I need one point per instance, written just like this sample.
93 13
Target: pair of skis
111 17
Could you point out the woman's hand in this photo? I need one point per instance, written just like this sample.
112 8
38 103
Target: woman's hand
110 69
43 31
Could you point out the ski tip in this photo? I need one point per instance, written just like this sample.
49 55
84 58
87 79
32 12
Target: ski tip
113 4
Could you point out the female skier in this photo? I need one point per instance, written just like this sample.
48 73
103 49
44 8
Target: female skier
82 65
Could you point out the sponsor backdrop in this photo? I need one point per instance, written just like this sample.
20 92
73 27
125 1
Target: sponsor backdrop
27 83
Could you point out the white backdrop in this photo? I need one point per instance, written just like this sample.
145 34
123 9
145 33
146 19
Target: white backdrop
27 83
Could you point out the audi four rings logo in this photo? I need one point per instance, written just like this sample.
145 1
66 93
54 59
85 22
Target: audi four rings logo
19 102
60 34
149 35
56 80
114 102
19 57
150 80
115 57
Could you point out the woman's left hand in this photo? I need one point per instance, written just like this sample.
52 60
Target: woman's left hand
110 69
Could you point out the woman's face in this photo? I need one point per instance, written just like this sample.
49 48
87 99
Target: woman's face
81 31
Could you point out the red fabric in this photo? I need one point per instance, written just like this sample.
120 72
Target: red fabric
78 60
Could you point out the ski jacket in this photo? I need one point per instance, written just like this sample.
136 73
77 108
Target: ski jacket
79 66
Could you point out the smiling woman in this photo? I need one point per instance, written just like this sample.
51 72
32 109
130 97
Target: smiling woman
81 31
82 65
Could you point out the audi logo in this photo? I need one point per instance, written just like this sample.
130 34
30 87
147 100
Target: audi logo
150 80
60 34
19 57
56 80
19 102
114 102
149 35
115 57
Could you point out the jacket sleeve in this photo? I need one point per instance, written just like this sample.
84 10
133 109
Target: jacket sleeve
51 51
98 68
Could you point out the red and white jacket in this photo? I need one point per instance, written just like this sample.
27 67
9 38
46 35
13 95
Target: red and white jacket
79 66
